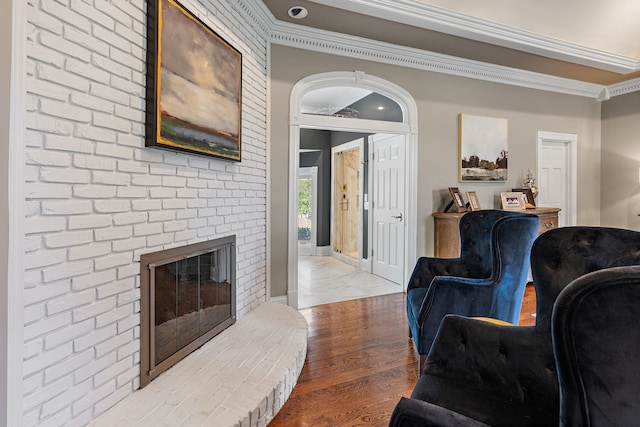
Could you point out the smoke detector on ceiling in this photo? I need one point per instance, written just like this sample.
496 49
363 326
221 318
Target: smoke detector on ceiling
297 12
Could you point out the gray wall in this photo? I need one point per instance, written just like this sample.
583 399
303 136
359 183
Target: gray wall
440 98
319 140
621 161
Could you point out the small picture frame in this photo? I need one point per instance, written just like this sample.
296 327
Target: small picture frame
529 201
512 201
457 200
474 204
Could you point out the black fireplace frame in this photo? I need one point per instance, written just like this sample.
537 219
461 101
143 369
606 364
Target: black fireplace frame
148 262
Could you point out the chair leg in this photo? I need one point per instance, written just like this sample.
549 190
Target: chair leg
421 359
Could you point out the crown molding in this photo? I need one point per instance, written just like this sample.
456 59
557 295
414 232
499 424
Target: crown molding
293 35
434 18
623 87
259 14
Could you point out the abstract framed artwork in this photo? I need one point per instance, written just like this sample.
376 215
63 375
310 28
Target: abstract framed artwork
194 85
482 144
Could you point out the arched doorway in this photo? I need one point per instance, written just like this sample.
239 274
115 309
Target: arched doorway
405 126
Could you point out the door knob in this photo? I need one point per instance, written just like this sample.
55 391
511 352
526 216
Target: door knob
399 216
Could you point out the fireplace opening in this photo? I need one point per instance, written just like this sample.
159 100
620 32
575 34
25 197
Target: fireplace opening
188 296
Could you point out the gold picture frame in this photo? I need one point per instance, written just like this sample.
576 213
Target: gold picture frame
194 85
482 145
513 201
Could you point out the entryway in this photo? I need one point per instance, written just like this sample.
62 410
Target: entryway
393 240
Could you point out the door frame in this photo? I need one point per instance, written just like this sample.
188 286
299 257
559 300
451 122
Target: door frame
408 127
571 141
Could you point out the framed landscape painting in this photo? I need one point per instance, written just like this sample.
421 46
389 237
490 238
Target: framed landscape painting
482 142
194 82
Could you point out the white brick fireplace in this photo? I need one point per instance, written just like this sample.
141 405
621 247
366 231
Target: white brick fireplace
96 198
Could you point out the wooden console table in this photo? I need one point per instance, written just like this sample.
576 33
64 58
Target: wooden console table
447 232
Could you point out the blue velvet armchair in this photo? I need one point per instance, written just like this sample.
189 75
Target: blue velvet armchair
488 279
596 343
505 375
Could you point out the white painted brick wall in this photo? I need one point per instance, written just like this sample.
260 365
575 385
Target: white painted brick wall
97 198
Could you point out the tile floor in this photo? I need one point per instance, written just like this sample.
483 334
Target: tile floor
324 279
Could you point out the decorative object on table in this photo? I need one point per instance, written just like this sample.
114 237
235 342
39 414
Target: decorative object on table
474 204
456 200
194 81
482 143
530 182
529 200
512 201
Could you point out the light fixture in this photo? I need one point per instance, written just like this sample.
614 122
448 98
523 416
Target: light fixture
380 107
297 12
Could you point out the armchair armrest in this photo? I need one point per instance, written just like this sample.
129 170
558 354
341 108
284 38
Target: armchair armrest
427 268
416 413
455 295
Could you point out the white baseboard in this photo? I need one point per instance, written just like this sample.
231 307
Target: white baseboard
345 259
280 300
323 251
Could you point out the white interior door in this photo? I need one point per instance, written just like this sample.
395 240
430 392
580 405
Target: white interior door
556 172
388 206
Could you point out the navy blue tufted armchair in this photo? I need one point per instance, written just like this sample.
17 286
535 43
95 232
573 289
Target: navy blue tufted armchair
596 343
504 375
488 279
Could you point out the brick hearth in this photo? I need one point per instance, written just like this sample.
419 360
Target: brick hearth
242 377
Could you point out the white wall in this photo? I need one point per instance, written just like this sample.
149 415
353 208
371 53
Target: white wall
97 198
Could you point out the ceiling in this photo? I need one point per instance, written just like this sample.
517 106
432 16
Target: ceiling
586 40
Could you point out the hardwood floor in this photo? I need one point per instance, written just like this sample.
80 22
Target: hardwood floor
359 363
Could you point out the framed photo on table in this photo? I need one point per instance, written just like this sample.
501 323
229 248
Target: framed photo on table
457 200
474 204
513 201
529 201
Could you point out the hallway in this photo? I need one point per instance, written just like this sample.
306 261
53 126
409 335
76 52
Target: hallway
324 279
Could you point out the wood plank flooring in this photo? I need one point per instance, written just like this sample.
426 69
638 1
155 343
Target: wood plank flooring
359 363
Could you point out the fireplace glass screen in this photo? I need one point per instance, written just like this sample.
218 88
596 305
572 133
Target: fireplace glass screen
191 298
